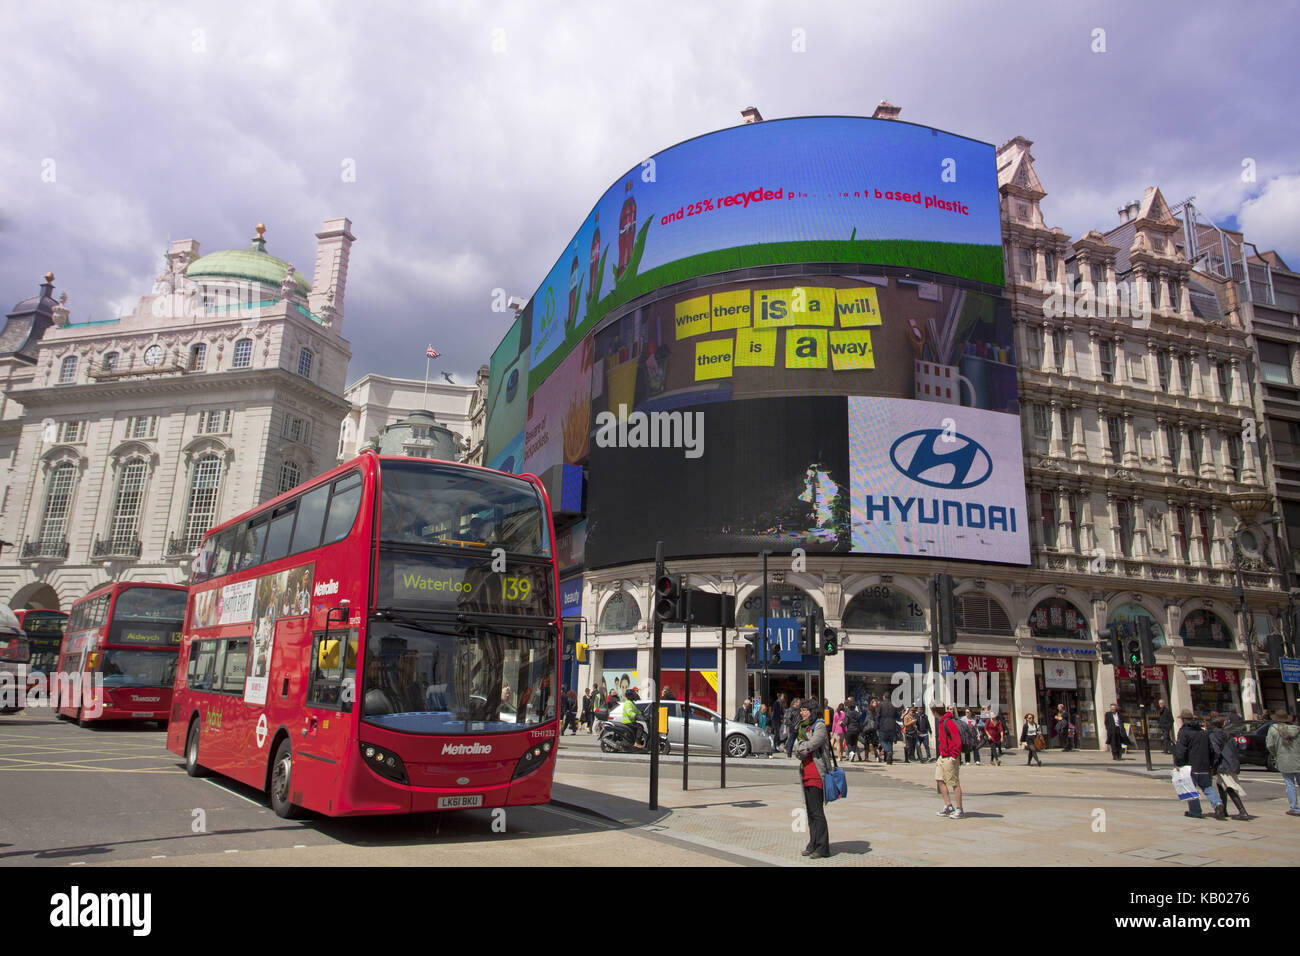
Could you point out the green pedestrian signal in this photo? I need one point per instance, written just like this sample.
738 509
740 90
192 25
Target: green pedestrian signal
830 641
1134 649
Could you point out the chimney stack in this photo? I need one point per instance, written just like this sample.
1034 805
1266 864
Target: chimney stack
886 110
329 284
1128 211
751 114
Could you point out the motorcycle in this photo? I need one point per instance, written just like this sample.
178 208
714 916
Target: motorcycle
615 738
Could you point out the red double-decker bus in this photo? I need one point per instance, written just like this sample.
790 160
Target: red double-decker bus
121 640
382 639
45 629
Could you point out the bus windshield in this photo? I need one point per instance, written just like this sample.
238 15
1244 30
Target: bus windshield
151 604
131 668
436 681
424 504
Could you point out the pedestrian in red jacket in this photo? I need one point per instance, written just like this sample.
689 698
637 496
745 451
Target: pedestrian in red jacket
948 765
993 730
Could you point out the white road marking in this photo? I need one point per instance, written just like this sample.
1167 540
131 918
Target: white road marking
233 794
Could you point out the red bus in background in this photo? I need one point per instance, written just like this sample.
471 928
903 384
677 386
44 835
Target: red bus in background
381 639
45 629
127 632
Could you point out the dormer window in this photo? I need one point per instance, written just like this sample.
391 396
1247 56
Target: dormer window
110 361
198 357
68 370
243 353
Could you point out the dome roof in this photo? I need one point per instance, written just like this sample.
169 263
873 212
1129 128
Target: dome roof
42 302
253 263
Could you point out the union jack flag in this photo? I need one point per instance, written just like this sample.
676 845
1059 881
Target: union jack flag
432 352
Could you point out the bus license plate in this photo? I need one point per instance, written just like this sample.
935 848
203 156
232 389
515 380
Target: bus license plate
458 803
142 713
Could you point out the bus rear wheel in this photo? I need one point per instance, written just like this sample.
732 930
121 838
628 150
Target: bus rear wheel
192 765
282 781
81 719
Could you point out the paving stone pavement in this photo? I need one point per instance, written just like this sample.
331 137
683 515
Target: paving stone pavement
1074 811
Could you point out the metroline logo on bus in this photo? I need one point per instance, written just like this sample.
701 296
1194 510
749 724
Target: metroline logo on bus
922 483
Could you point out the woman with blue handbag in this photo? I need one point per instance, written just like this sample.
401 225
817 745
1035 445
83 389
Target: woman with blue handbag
812 747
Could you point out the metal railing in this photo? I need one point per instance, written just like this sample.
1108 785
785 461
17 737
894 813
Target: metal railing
121 547
47 548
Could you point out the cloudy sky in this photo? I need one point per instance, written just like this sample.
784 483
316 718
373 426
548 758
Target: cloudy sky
482 133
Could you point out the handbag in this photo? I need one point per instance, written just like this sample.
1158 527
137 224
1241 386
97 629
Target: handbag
1039 742
1183 786
834 784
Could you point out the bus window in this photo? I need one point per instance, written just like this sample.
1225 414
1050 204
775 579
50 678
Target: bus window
281 532
311 518
328 666
236 666
343 507
225 546
249 551
203 664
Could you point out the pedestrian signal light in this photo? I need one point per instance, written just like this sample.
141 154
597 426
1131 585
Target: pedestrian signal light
668 597
830 641
580 651
1134 655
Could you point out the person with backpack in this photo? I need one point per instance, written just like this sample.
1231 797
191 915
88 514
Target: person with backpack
1029 734
947 771
871 732
909 735
813 750
791 725
1227 764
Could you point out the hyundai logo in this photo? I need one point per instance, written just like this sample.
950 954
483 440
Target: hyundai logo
941 459
462 780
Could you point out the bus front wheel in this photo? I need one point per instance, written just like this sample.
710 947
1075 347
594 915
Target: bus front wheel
192 765
282 781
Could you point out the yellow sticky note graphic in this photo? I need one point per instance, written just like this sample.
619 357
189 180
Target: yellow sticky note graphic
713 359
857 307
756 348
731 310
801 305
805 348
851 350
691 317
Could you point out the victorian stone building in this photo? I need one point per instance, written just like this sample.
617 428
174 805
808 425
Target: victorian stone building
123 441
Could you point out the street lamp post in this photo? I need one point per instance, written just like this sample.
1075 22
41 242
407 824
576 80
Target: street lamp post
762 635
1246 624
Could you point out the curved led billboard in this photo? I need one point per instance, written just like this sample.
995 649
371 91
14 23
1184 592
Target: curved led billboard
810 189
783 335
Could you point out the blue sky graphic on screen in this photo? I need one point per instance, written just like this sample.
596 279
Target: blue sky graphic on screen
820 189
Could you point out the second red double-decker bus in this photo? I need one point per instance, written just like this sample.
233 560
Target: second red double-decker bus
45 630
382 639
121 640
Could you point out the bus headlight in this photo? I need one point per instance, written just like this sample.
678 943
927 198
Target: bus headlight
384 762
533 758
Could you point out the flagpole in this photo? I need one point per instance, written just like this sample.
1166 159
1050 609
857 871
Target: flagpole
427 358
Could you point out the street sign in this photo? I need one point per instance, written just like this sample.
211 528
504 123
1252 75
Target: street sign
1291 670
785 630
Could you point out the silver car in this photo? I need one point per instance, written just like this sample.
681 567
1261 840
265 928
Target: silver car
707 729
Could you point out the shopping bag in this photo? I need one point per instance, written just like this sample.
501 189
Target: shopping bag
1183 786
836 785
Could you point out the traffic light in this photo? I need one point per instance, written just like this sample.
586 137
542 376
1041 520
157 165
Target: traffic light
830 641
1133 653
668 598
947 608
774 652
1109 653
1275 653
751 651
808 635
580 652
1148 648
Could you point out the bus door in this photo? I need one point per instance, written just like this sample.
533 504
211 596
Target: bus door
324 740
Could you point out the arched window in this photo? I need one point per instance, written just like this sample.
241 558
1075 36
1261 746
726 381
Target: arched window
68 370
621 613
783 600
243 353
198 357
304 363
58 502
290 476
1128 620
1206 629
1058 619
201 508
884 608
110 361
122 533
980 614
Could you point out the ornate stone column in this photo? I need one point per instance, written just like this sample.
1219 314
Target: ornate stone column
1049 350
1175 373
1087 533
1078 447
1130 442
1103 429
1067 352
1057 447
1064 527
1162 444
1185 456
1141 547
1121 362
1153 366
1197 387
1236 398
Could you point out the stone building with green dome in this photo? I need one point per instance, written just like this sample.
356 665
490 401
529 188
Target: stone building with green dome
123 440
